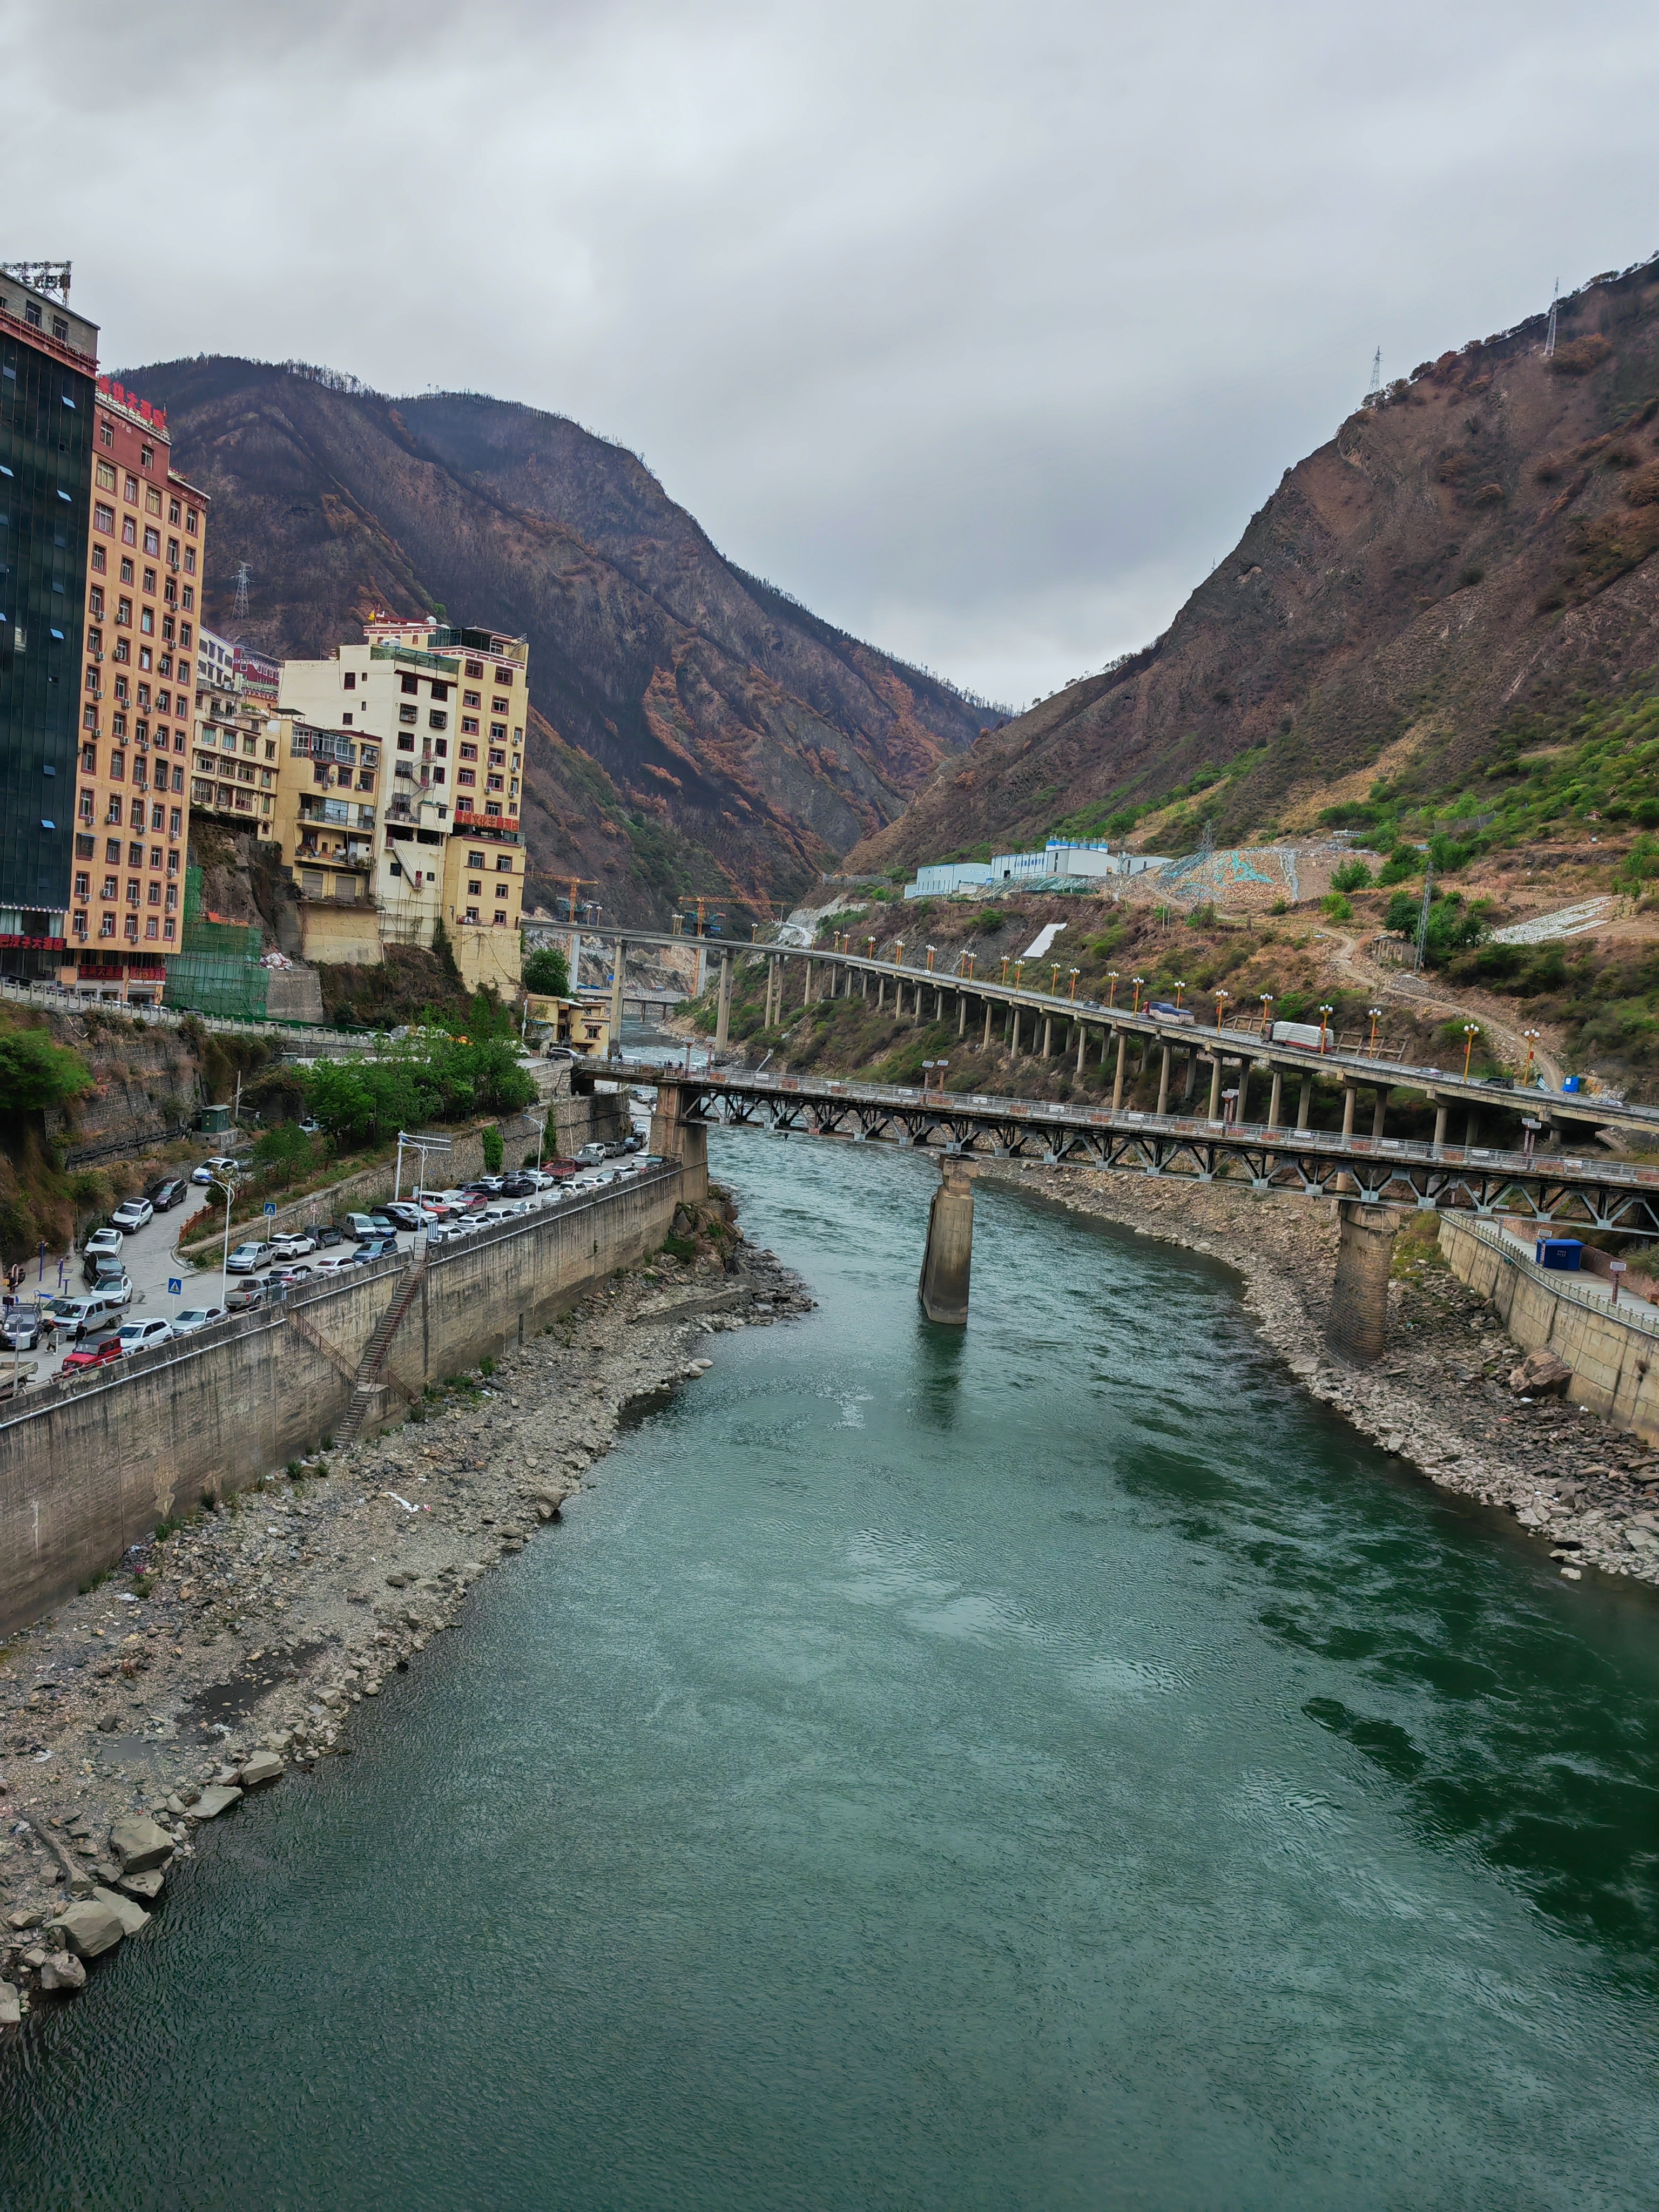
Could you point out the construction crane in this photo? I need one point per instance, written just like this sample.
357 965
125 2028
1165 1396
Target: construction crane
572 887
704 917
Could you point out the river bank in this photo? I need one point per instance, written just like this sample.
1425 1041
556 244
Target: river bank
237 1645
1440 1399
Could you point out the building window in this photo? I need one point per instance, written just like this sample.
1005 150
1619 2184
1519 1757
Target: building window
103 517
503 867
469 728
152 500
106 925
504 677
146 621
494 783
437 719
409 682
124 612
475 669
190 518
133 894
152 546
81 920
469 752
130 491
466 775
406 713
471 913
498 733
106 433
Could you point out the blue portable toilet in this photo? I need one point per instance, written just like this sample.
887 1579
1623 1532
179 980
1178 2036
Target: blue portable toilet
1572 1082
1559 1252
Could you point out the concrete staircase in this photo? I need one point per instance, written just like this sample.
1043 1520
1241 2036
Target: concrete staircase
368 1389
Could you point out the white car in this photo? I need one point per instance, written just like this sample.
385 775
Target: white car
293 1244
336 1263
222 1164
109 1241
194 1317
133 1213
140 1335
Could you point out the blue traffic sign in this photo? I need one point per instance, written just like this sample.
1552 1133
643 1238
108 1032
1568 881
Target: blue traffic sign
269 1210
175 1286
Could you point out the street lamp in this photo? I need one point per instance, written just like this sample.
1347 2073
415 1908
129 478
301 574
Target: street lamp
1532 1037
1180 988
1005 967
1076 972
1376 1013
1221 999
1136 981
898 954
1325 1013
1111 977
1267 1016
1471 1030
930 960
1054 980
228 1188
869 948
1019 969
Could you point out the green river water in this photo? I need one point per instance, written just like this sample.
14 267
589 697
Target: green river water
1051 1765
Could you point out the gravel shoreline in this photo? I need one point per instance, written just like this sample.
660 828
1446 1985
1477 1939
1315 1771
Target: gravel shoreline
1439 1398
241 1645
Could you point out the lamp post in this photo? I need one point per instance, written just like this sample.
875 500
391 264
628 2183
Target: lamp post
1229 1106
969 956
1005 967
1180 988
930 960
1471 1030
869 948
1266 1017
898 954
228 1188
1325 1013
1019 969
1136 981
1111 977
1221 999
1616 1268
1076 972
1376 1013
1054 980
1532 1037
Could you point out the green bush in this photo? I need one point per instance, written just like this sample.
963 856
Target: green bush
35 1073
1403 910
1352 876
493 1151
1336 908
1401 864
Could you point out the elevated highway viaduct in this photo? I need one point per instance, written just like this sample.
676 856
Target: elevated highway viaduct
1055 1026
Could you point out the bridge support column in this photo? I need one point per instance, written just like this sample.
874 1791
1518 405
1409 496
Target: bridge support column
618 967
1190 1080
986 1047
1379 1115
1349 1094
1304 1103
1215 1086
1082 1045
723 1013
1356 1327
1015 1043
676 1139
881 992
1472 1133
1275 1098
961 1013
1047 1037
1123 1062
948 1261
807 993
1164 1082
773 992
1440 1112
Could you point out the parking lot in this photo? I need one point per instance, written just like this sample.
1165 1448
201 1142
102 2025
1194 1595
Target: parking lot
150 1258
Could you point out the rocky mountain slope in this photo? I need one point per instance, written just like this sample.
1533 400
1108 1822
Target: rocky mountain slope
693 729
1470 557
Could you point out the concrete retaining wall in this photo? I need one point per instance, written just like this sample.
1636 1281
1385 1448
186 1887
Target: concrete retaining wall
1614 1361
88 1467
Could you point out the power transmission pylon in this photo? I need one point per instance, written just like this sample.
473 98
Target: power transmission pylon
241 587
1376 391
1549 335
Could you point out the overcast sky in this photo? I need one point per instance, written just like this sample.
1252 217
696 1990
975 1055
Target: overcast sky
983 330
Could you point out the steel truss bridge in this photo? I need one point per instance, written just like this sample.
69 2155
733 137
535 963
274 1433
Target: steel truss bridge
1546 1188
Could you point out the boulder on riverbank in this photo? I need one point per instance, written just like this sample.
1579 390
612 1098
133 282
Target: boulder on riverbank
139 1844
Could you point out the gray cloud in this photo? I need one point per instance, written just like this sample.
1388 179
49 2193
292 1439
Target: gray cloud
981 329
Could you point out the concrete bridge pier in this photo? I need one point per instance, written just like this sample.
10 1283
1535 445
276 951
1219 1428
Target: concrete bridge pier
1276 1098
1356 1327
948 1261
1215 1085
723 1013
618 968
1349 1094
986 1046
1016 1034
1440 1114
1082 1046
1304 1104
1163 1081
1123 1062
1379 1115
1047 1037
676 1138
961 1013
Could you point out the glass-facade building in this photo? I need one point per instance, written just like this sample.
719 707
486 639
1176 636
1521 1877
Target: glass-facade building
48 366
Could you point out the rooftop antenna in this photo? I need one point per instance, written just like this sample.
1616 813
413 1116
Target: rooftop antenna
1549 335
1376 391
242 574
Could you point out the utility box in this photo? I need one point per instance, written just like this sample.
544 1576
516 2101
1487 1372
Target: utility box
1560 1253
214 1118
1572 1083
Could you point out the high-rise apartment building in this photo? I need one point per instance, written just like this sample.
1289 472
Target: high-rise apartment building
440 715
48 363
144 582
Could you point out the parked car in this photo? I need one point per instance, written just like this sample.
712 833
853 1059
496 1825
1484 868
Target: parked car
377 1247
133 1213
520 1186
358 1225
243 1297
64 1315
194 1317
592 1155
23 1327
634 1142
113 1284
106 1240
332 1263
290 1278
140 1335
96 1355
248 1259
559 1170
292 1244
165 1196
326 1236
404 1215
222 1164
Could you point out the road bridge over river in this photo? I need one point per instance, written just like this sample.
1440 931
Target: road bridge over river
1374 1180
1055 1026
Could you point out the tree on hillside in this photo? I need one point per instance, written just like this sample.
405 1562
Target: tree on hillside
548 974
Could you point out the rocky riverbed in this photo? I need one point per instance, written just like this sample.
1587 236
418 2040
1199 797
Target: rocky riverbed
1442 1398
243 1644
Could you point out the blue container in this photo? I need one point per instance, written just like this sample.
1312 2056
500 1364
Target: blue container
1559 1252
1572 1082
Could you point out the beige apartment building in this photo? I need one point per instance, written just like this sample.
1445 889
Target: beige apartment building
147 547
438 714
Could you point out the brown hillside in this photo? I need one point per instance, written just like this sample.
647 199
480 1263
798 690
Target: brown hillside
1477 547
694 729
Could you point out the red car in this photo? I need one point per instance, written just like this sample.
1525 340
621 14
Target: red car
76 1362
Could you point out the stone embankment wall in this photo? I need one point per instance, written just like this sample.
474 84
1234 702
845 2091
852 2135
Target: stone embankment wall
1614 1361
89 1468
573 1123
